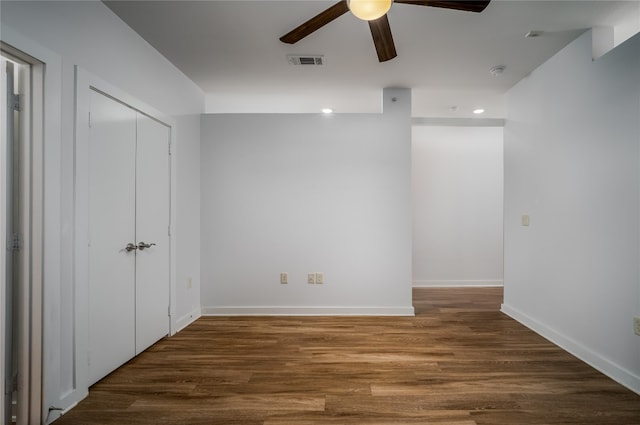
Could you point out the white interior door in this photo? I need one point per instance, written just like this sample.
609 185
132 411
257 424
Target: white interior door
112 202
152 228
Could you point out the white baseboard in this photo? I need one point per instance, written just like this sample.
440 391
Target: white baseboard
187 319
456 283
612 370
308 311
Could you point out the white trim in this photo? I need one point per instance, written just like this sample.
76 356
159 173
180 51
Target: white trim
308 311
80 248
457 283
617 373
35 264
173 196
187 319
3 237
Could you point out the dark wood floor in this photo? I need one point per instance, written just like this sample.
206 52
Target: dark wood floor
458 362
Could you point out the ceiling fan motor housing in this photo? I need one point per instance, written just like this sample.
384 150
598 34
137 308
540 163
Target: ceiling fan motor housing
375 12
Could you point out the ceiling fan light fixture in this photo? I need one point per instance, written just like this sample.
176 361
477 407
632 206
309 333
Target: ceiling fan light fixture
369 10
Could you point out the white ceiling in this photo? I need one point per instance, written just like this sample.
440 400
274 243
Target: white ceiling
231 49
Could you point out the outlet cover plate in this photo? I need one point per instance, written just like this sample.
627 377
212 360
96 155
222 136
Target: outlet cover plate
284 278
311 278
320 278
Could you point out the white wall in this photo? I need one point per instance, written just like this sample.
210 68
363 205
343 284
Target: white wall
572 162
188 223
457 192
307 193
89 35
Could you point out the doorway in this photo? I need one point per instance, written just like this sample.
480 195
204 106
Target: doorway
457 197
21 190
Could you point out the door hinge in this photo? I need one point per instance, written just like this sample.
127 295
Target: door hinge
169 230
16 102
169 147
169 311
15 244
11 384
89 119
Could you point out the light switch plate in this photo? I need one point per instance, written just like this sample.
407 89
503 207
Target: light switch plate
320 278
284 278
525 219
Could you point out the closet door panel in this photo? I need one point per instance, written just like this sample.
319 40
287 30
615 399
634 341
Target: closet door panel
152 226
112 153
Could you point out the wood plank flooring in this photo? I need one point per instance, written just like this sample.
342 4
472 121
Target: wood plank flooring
458 362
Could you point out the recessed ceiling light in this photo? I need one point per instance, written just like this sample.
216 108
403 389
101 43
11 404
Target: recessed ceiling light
327 110
478 111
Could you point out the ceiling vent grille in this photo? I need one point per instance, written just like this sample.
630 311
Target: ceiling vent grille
315 60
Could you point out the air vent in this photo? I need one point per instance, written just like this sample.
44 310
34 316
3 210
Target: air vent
317 60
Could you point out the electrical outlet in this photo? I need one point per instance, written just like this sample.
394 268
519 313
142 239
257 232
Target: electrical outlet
284 278
636 325
311 278
320 277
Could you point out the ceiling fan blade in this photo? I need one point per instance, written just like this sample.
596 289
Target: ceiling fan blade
315 23
382 38
468 5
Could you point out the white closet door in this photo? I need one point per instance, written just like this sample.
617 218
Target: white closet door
112 144
152 226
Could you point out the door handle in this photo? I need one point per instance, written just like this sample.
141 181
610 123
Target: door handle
142 245
130 247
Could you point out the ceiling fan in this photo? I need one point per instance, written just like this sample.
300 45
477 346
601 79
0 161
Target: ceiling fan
375 12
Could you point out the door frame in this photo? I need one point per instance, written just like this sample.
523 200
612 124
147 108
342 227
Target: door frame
32 199
85 82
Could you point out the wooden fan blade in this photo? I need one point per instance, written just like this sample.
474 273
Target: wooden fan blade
468 5
315 23
382 38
